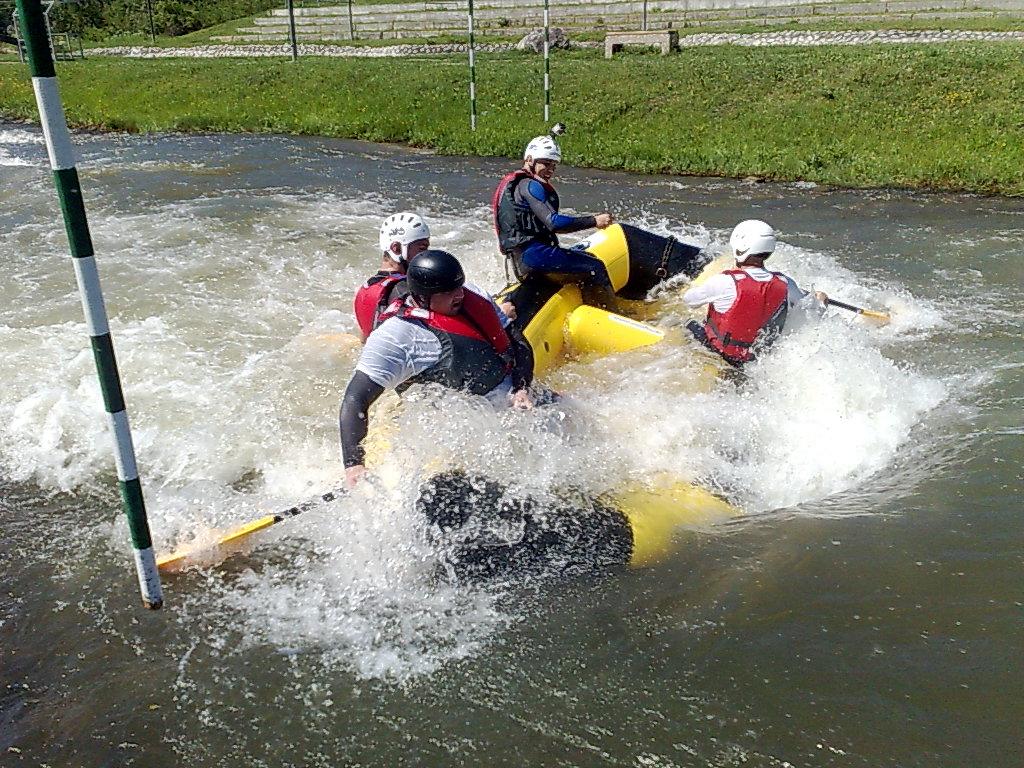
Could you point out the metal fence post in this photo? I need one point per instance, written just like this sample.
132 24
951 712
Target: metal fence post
547 65
291 31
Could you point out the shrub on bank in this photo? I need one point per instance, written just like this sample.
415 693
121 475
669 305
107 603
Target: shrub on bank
99 19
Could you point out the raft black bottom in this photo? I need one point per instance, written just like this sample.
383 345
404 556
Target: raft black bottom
484 531
653 258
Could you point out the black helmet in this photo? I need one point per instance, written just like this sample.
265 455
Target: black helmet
433 271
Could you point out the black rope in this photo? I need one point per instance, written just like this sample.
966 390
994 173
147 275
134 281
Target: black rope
662 271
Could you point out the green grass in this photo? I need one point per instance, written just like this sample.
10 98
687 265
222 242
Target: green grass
933 117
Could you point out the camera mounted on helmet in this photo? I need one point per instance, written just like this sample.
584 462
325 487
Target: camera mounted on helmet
544 147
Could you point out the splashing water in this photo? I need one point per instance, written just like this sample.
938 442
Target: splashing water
230 310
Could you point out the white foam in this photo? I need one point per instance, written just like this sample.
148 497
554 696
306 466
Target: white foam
12 162
218 308
18 136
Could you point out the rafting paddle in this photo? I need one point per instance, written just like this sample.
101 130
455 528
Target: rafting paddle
881 317
179 558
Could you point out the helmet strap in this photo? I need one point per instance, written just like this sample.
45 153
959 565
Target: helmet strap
398 258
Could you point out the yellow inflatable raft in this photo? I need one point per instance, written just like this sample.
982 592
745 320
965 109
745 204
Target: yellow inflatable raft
635 523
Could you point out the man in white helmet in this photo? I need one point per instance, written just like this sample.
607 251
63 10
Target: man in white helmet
747 306
402 236
527 222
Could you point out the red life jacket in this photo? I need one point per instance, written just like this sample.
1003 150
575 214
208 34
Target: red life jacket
476 353
517 226
757 304
372 299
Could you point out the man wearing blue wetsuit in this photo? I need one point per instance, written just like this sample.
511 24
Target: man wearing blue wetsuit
528 223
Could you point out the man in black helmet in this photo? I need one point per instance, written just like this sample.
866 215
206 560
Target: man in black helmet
445 332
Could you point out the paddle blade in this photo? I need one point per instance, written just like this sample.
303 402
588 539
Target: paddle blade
346 341
211 549
879 317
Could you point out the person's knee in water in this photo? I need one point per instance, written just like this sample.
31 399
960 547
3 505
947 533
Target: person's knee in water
569 265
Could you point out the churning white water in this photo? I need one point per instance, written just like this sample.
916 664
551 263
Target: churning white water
231 316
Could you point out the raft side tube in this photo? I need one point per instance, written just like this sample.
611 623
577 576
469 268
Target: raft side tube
546 330
483 528
593 330
656 511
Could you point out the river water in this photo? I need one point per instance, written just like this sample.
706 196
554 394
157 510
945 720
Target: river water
865 610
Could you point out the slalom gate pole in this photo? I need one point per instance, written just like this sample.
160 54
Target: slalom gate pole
65 177
472 72
547 65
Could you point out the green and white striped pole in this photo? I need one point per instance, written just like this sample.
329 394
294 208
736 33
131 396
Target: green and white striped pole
547 66
472 72
65 177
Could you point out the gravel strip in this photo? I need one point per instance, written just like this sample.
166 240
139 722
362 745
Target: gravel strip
686 41
845 38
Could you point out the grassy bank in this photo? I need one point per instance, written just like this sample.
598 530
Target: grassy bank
938 117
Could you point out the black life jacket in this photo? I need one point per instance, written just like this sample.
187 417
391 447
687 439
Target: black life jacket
514 223
476 352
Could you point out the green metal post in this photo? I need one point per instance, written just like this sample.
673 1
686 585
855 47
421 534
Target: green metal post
65 176
547 65
152 28
472 72
292 38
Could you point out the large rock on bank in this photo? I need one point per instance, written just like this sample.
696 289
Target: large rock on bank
534 40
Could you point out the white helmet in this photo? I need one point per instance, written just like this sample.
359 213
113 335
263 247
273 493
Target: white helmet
543 148
752 237
404 229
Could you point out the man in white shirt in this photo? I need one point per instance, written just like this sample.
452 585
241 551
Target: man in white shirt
444 332
747 305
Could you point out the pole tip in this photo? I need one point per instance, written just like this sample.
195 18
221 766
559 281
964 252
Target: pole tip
153 605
